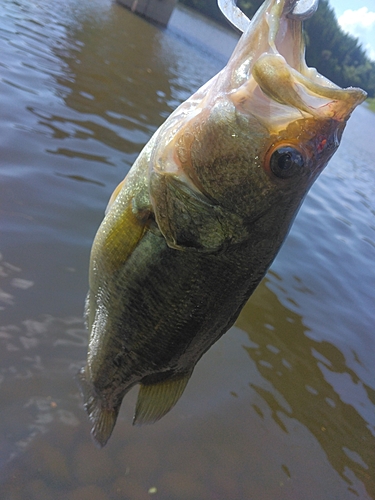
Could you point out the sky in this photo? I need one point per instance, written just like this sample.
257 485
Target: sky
357 17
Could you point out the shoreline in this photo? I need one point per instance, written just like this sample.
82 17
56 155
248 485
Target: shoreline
371 103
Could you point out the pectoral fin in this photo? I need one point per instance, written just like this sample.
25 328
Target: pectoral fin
115 194
123 227
123 236
128 218
155 400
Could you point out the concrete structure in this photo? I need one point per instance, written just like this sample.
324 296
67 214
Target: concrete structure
157 10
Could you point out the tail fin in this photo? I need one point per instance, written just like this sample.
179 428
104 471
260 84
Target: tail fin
103 419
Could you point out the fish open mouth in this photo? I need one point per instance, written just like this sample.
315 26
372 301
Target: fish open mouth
269 75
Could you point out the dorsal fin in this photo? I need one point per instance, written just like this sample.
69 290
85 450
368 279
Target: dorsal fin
155 400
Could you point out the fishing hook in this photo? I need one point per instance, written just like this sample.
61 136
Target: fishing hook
302 9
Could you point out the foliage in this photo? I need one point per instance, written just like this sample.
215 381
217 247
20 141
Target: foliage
335 54
371 103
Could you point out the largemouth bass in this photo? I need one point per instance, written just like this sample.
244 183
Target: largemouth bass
191 231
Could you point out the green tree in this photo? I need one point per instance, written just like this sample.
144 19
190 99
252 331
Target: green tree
335 54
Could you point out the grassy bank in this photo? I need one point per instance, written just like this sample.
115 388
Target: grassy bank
371 103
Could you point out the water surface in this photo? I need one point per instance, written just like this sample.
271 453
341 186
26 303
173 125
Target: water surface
283 406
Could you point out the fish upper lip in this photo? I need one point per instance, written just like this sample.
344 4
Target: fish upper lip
270 57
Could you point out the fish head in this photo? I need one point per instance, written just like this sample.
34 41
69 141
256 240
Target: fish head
297 114
260 132
294 117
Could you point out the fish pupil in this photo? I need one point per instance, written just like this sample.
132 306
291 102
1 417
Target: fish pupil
286 162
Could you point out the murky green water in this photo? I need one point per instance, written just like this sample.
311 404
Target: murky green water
283 406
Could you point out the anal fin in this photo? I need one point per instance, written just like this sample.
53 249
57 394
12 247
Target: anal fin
155 400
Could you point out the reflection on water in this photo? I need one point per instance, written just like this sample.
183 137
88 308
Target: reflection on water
283 406
301 372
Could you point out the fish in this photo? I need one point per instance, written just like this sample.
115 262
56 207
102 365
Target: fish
193 228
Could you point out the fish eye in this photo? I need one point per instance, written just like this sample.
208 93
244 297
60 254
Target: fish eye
286 161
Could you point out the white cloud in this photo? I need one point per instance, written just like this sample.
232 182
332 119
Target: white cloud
370 51
361 24
357 20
